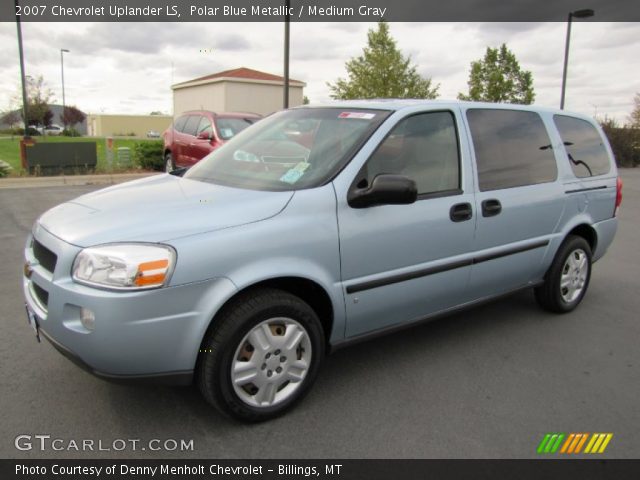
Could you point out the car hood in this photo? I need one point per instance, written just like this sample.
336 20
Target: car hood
157 209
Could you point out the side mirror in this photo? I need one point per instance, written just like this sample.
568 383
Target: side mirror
384 190
204 135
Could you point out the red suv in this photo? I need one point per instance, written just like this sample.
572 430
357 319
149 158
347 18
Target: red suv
196 134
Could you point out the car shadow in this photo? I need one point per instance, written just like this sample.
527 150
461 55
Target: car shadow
182 409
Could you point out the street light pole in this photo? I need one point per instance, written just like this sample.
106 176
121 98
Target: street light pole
566 61
62 52
23 79
287 18
577 14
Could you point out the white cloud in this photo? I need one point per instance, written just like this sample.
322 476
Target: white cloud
128 67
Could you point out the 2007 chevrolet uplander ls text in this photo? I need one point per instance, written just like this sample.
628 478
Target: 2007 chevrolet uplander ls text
314 228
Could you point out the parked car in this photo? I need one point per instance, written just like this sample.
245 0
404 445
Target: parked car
52 129
244 272
196 134
34 130
153 134
49 130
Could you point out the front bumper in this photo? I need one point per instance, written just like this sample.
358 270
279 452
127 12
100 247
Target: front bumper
171 378
152 335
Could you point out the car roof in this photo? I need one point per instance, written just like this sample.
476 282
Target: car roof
394 104
222 114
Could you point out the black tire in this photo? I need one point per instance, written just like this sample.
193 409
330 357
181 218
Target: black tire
169 164
550 294
225 337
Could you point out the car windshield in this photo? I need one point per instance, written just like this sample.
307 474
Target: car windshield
290 150
229 127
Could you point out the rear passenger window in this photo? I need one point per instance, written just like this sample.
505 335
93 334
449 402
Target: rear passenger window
424 148
585 148
191 127
512 148
179 123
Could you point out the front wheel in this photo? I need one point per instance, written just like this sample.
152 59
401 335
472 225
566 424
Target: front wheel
568 277
261 356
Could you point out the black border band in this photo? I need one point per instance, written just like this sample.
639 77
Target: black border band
314 11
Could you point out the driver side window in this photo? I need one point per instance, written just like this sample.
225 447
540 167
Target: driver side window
205 126
424 148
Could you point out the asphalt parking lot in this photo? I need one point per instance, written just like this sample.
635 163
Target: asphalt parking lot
486 383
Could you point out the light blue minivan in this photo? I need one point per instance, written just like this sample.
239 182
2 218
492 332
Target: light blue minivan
315 228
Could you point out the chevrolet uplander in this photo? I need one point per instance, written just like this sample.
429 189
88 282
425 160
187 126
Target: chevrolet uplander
315 228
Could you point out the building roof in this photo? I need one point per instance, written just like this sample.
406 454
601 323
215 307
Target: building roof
239 74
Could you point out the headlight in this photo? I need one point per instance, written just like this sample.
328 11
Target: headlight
124 266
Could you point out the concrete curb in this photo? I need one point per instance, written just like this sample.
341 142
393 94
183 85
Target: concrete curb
61 181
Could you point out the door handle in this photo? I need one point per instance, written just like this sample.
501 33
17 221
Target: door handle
491 207
461 212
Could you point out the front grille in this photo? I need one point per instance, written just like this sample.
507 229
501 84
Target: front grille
42 294
45 257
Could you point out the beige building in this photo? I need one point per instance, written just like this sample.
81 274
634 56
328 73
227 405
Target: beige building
238 90
103 125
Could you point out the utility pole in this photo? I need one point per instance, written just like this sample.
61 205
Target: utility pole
287 22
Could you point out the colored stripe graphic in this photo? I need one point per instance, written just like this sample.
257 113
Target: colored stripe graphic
543 443
568 442
581 443
550 443
573 443
598 442
555 447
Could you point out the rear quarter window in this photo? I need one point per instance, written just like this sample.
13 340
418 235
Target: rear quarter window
512 148
583 145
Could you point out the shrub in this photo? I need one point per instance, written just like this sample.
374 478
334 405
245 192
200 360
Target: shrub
19 132
71 132
5 168
148 155
625 143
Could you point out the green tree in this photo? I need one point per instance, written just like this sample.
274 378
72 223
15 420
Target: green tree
498 78
11 118
382 72
635 115
305 100
39 96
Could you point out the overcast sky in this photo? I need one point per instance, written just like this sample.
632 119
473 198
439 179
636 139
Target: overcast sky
129 67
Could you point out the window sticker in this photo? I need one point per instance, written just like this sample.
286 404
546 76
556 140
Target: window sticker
359 115
226 132
294 174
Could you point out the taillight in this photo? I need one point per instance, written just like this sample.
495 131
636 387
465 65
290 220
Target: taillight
618 196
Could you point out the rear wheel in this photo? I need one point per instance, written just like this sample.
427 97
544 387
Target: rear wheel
568 277
262 355
169 166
